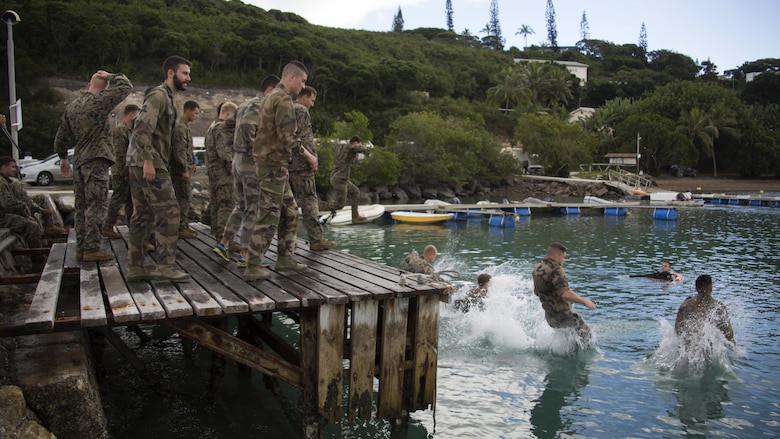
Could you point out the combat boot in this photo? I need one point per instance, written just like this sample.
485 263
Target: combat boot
256 272
322 244
286 263
110 233
96 256
138 273
187 234
169 272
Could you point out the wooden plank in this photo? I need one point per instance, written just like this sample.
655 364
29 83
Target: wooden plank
217 280
199 299
44 304
426 351
232 347
391 358
70 253
330 352
170 298
120 301
93 311
306 288
143 296
221 270
363 331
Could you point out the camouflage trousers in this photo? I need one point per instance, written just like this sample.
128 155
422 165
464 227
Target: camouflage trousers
183 190
277 214
155 210
570 320
120 198
247 195
90 186
28 229
305 191
345 192
220 208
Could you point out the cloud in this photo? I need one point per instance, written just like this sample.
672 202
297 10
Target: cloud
347 14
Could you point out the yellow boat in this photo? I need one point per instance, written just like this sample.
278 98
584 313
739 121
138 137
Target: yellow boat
420 217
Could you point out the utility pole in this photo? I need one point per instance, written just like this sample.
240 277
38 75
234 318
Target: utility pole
14 108
638 155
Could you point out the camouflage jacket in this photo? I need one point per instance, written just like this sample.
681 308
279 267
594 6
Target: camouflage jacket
21 194
245 121
121 139
151 138
345 156
417 264
182 156
305 136
84 125
9 199
275 138
219 154
549 285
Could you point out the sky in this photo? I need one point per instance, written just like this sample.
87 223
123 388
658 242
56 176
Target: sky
729 33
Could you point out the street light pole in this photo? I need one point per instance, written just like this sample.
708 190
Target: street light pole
11 18
638 155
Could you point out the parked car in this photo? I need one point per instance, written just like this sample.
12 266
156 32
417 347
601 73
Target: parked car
46 172
682 171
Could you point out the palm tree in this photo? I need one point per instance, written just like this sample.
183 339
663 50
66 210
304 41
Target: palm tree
697 125
559 87
525 30
508 90
535 80
722 120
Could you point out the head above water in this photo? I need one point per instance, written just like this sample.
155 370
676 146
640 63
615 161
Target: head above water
666 266
704 285
483 279
430 252
557 252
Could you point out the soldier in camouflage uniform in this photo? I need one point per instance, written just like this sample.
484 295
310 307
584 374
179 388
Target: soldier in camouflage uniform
14 213
120 197
344 189
154 203
274 144
182 165
302 173
84 127
422 264
244 123
552 288
219 160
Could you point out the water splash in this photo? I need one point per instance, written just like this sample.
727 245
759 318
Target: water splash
513 319
710 350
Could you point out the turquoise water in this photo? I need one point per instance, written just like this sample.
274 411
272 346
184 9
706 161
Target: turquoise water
504 373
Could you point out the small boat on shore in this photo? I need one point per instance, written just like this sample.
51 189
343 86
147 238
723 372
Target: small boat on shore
343 217
420 217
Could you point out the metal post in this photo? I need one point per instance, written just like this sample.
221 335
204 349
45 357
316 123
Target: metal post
638 155
11 18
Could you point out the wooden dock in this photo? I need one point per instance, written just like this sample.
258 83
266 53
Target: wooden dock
359 321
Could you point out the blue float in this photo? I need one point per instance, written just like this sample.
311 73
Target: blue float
570 210
665 213
616 211
502 220
523 211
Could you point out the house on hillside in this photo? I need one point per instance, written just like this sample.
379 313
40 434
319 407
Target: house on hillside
623 159
580 114
577 69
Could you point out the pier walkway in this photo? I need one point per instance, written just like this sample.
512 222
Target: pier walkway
359 320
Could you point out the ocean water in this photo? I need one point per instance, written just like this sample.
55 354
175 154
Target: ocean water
504 373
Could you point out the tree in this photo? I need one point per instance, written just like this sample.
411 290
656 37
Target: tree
398 21
697 126
508 90
493 39
709 71
355 124
552 29
560 145
584 27
448 11
643 39
525 30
